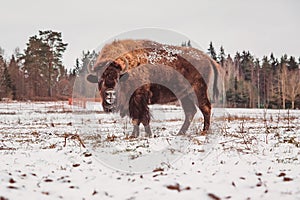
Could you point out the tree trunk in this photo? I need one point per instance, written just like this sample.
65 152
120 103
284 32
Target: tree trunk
283 85
49 78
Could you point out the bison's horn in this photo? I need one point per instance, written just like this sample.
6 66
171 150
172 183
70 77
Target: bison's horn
98 66
126 67
90 68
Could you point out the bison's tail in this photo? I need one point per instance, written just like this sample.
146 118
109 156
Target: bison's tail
218 84
216 91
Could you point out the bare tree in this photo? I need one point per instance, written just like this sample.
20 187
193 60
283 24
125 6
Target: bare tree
293 85
283 80
2 81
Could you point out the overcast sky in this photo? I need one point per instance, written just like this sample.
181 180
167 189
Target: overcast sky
258 26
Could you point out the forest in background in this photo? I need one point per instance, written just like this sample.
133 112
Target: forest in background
37 73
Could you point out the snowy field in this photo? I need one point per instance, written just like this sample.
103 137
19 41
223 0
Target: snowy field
55 151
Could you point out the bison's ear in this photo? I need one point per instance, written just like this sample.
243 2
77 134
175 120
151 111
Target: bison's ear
92 78
124 77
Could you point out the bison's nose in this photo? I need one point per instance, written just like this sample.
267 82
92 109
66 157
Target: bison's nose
110 96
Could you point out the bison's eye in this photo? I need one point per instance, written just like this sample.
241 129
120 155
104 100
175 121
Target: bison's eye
110 94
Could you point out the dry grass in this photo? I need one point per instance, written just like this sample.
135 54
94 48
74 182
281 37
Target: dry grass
74 137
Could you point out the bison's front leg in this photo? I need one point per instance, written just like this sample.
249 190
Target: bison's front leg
139 111
136 128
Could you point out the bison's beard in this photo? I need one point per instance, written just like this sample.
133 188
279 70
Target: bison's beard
109 108
122 108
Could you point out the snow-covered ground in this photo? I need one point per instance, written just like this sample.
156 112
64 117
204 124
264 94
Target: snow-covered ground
55 151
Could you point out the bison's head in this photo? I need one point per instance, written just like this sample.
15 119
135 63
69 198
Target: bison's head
108 77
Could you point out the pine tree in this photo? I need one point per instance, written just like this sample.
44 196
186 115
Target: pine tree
2 79
16 77
247 65
43 62
189 44
238 96
292 64
237 62
221 57
186 44
35 61
1 51
265 81
56 49
77 67
5 80
284 59
273 60
8 81
212 52
274 63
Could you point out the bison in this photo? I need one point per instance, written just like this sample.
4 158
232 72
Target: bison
131 74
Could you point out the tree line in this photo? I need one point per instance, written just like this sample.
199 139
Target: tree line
37 73
253 83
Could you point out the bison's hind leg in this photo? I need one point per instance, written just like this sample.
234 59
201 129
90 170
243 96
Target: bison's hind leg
148 131
205 107
189 111
136 129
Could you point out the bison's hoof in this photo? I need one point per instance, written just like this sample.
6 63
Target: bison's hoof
148 131
135 132
132 136
180 133
204 132
149 135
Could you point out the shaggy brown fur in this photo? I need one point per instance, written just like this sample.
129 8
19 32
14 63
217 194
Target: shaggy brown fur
156 73
139 52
